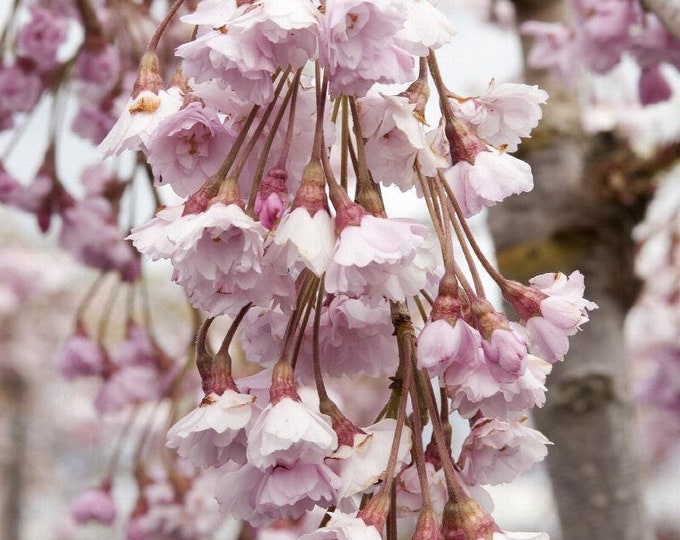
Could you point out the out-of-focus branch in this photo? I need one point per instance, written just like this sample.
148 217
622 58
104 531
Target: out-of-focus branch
668 12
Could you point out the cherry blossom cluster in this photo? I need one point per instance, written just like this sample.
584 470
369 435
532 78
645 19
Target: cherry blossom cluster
274 127
653 324
601 34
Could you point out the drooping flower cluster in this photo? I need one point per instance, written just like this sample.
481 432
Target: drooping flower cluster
275 136
653 323
602 33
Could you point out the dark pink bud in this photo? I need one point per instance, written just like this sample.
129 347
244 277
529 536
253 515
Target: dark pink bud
653 86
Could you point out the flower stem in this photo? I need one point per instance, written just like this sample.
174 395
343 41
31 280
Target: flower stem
163 25
495 274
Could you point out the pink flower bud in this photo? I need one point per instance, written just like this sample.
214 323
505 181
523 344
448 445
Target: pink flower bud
94 505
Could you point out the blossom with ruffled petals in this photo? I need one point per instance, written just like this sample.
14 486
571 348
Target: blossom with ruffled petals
395 140
359 45
137 123
81 357
362 465
496 452
552 309
425 28
474 389
301 241
344 527
287 432
504 113
94 505
20 89
355 337
440 344
216 255
213 433
285 491
186 148
42 35
409 490
382 257
492 177
90 233
252 41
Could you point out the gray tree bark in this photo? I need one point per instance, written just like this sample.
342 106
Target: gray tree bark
12 400
574 219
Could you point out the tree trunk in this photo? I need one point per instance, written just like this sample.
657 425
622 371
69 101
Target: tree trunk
12 400
572 221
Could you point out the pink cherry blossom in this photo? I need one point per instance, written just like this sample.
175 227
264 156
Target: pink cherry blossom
233 58
287 32
473 389
496 452
216 255
425 28
129 385
493 177
652 44
552 309
440 344
395 140
272 197
94 505
263 496
163 512
28 198
344 527
506 353
81 357
504 113
40 38
139 119
362 466
359 46
409 490
187 147
287 432
269 209
97 70
301 241
213 433
553 48
137 349
382 257
90 234
603 28
565 306
92 123
20 89
354 338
